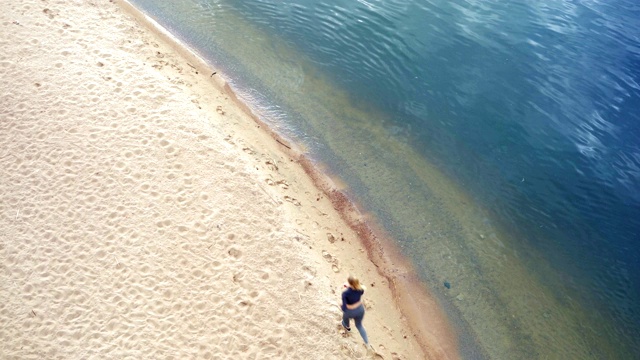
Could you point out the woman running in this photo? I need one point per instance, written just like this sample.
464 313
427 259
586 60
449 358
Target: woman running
352 306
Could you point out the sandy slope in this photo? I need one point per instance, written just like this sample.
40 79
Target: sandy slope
145 215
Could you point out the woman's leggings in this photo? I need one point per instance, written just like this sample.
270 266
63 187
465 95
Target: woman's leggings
356 314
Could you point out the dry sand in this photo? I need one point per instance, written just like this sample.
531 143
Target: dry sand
144 214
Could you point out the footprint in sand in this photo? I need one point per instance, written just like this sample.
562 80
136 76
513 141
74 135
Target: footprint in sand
283 183
331 259
292 200
309 272
272 165
50 13
327 256
369 304
248 150
341 330
236 253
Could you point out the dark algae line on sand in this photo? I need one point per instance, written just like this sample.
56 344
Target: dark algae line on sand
497 142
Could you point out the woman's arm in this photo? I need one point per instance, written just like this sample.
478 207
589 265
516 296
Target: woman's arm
344 299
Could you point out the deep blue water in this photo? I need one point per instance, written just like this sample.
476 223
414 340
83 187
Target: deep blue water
529 108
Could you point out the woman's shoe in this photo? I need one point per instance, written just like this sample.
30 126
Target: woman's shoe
345 326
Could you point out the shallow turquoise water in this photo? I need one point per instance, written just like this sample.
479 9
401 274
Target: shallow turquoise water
497 142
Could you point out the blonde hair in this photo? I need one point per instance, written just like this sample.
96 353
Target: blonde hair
355 283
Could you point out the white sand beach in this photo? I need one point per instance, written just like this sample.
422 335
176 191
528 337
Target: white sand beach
146 214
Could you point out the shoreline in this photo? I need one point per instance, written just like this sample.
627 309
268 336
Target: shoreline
106 238
466 291
409 294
